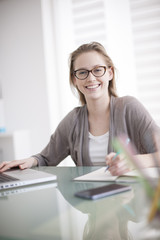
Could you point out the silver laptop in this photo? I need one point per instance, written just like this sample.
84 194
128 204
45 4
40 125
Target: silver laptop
17 178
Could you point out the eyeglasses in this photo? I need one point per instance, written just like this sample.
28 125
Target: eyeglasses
82 74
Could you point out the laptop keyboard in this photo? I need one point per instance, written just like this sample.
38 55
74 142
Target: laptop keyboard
5 178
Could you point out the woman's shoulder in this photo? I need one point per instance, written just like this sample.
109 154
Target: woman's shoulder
125 100
74 114
129 105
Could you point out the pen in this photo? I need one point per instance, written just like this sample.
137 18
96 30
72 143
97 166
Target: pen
127 142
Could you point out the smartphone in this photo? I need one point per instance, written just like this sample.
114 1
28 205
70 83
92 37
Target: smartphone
104 191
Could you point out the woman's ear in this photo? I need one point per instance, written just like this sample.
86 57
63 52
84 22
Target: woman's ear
110 71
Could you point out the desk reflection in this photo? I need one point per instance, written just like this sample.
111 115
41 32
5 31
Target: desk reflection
50 212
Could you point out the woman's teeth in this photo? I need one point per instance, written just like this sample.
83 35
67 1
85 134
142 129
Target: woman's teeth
93 86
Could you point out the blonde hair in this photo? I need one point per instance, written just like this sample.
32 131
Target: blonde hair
93 46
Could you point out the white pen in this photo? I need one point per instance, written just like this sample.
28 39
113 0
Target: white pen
127 142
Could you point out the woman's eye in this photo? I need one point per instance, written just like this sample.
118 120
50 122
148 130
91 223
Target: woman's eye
82 72
97 70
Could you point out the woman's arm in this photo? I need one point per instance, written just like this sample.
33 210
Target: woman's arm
56 150
143 132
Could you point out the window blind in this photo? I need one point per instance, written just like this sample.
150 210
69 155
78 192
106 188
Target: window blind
145 16
89 22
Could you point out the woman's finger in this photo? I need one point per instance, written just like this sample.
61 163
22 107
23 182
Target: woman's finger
119 169
7 165
109 157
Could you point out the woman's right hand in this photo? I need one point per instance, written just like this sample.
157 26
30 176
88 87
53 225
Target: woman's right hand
22 164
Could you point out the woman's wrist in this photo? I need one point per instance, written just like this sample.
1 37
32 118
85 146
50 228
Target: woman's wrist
147 160
35 162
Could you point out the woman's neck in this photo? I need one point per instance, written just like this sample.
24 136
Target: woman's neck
99 108
98 116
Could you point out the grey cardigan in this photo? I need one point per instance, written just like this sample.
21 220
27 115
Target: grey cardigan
127 116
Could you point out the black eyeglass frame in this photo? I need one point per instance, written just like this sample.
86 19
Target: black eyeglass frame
88 71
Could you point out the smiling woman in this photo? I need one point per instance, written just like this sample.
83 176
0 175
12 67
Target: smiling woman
84 64
88 82
87 132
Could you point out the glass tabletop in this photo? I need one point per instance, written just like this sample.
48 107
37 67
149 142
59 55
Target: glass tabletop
51 211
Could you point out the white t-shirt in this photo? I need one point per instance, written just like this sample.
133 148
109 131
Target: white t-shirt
98 148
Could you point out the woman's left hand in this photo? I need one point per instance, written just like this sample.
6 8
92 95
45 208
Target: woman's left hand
117 165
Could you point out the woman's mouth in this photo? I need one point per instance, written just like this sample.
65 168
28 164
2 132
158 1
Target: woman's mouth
93 86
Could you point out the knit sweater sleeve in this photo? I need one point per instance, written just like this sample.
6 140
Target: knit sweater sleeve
140 125
58 147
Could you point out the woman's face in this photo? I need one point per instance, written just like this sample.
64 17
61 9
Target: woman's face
92 87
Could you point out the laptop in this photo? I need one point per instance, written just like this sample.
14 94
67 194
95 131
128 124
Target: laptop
18 178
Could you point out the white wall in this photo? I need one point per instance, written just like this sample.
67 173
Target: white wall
22 70
58 44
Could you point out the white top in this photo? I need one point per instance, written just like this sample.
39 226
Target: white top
98 148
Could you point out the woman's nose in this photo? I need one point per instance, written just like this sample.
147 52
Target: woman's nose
91 77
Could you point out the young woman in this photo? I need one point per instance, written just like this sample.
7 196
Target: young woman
86 133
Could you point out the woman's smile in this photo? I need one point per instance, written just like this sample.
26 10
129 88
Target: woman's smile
93 87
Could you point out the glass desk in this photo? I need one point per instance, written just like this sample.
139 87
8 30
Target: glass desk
46 211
